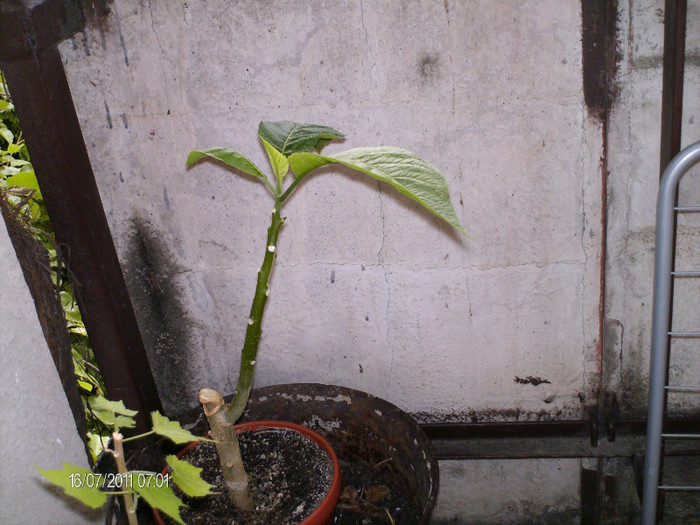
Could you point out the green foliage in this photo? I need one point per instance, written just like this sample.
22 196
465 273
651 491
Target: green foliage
172 430
77 482
408 173
279 163
162 498
291 137
188 477
113 414
89 487
290 145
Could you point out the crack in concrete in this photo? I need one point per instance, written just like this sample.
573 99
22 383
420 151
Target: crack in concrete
372 56
162 55
381 264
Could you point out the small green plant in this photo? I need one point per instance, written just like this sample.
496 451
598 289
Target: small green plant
92 488
290 147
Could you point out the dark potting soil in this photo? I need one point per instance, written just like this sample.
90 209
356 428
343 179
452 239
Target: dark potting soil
289 477
373 494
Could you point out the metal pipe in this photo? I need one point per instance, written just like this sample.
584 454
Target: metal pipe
680 164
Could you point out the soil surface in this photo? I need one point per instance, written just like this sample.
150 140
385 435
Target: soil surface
289 477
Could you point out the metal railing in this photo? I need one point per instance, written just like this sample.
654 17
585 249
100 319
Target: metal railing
664 274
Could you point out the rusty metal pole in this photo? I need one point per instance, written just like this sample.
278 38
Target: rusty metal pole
41 95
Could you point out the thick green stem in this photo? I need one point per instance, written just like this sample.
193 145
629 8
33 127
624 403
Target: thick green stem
254 331
224 435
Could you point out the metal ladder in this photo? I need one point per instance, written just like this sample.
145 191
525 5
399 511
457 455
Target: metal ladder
662 333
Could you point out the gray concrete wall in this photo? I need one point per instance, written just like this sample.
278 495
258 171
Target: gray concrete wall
369 292
633 153
36 424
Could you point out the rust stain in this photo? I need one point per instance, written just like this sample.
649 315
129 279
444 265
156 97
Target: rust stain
601 55
531 380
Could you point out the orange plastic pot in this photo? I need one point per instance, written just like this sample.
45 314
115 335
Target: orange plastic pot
323 515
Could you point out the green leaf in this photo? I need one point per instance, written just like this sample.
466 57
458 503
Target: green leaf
227 156
77 482
25 179
77 329
188 478
291 137
279 163
112 413
96 444
408 173
172 430
84 385
7 134
70 307
162 498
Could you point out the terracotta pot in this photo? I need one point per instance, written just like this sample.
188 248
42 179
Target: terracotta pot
323 515
361 428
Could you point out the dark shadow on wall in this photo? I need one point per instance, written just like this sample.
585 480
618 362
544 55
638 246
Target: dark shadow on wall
157 301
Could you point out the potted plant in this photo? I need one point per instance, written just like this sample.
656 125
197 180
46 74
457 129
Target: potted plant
290 147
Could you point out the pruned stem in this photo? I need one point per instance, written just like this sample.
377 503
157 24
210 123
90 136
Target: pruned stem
223 433
254 330
118 454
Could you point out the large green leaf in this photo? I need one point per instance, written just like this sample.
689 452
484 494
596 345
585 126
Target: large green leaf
408 173
162 498
172 430
112 413
78 482
227 156
292 137
188 477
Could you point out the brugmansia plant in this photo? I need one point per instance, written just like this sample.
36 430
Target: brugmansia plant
290 147
91 488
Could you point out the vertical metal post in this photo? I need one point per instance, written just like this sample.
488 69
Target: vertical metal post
661 323
29 32
675 14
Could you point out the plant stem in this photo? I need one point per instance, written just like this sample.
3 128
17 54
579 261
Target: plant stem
134 438
290 189
223 433
252 336
118 454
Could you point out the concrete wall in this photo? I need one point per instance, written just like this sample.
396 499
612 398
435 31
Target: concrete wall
370 292
633 153
36 424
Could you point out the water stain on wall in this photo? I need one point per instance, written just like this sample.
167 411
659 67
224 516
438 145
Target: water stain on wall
157 300
429 67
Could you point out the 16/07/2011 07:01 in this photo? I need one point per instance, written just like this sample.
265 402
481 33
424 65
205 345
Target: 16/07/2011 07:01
112 481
